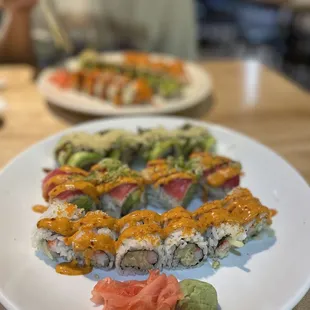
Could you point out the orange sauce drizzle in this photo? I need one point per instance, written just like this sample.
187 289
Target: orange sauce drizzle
73 269
188 226
174 215
145 216
39 208
222 175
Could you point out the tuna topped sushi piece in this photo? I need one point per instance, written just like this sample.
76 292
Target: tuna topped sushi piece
121 190
59 176
221 230
170 183
195 139
220 174
81 193
250 212
184 245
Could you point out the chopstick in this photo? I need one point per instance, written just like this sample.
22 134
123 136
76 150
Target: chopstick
59 35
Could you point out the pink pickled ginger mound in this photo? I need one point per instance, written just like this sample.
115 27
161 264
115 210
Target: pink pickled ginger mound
158 292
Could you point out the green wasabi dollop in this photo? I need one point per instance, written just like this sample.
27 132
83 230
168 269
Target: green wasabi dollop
198 295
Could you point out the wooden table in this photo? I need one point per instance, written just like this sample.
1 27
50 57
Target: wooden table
247 97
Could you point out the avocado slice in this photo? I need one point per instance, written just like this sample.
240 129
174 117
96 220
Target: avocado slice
84 202
163 149
84 159
189 195
62 154
132 200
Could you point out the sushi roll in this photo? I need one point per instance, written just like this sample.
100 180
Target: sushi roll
174 214
50 234
59 176
139 217
250 212
184 245
102 83
81 193
159 143
195 139
221 230
77 80
89 82
137 92
169 184
220 174
66 233
121 190
80 149
139 249
120 144
115 89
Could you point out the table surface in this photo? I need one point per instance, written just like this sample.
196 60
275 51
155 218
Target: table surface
247 97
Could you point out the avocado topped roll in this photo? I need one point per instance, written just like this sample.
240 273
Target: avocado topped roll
220 174
221 230
195 139
159 143
170 183
249 211
121 190
124 145
139 249
184 245
80 149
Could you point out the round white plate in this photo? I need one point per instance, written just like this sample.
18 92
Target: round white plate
272 273
198 89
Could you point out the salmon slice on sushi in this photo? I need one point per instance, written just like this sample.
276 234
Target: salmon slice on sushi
219 174
121 190
169 185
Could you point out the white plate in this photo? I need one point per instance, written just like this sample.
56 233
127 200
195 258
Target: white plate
272 273
198 89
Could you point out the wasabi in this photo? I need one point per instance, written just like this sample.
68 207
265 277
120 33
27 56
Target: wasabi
198 295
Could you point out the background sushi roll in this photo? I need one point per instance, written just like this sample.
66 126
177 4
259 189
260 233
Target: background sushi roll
195 139
136 92
139 249
221 230
139 217
80 149
184 245
81 193
250 212
159 143
47 237
120 144
121 190
219 174
169 184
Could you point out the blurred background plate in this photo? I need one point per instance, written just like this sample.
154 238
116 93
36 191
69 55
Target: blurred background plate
199 88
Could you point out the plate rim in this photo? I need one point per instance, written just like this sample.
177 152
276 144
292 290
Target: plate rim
291 302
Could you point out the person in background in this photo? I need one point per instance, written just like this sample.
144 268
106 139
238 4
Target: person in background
166 26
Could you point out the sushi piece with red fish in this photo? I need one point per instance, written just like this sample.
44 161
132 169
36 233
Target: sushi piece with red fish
59 176
170 183
219 174
121 190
